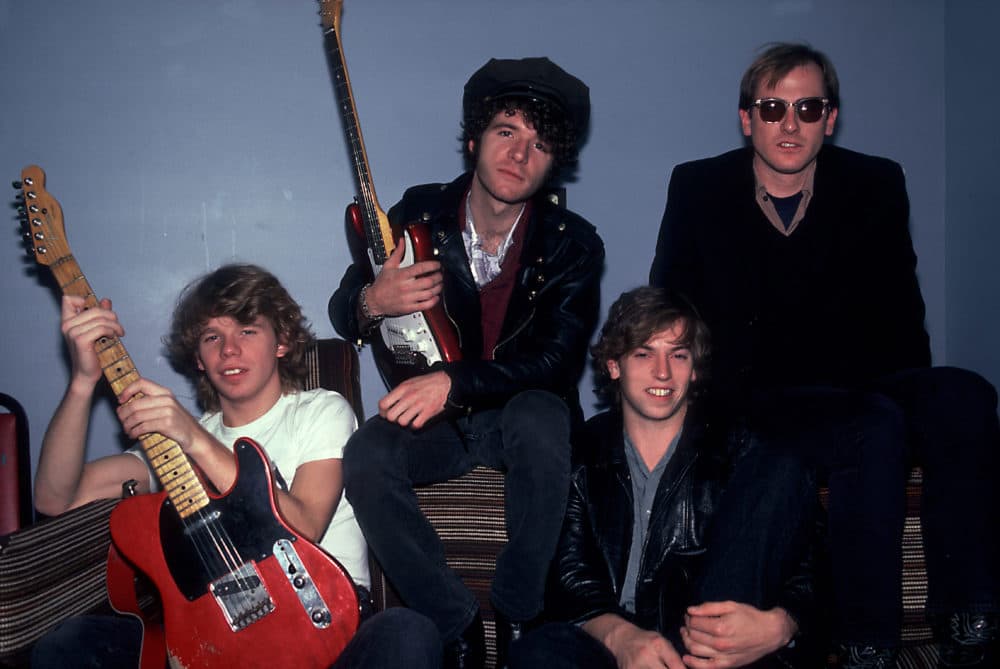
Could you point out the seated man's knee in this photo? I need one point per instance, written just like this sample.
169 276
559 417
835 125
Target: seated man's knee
370 454
536 411
880 420
965 386
535 427
781 465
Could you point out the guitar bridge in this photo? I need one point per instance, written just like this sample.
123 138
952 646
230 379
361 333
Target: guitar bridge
242 596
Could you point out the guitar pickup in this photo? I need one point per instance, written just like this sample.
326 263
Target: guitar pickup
242 596
233 586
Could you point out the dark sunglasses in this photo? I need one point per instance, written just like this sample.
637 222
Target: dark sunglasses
773 110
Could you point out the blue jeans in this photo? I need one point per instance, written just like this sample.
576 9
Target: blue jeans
560 646
760 531
394 638
862 442
528 439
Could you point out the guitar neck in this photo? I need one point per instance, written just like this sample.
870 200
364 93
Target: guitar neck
376 224
173 469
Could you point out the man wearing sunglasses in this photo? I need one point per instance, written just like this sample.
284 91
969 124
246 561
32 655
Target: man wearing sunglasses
798 255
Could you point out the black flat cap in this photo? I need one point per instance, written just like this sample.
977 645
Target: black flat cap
537 78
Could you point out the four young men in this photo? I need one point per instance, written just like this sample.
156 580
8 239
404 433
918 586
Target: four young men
686 537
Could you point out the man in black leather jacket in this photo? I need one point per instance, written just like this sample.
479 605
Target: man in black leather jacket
655 566
518 278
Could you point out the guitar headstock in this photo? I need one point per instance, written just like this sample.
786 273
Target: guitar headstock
42 217
329 12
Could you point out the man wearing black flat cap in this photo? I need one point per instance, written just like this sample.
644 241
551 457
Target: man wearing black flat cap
519 278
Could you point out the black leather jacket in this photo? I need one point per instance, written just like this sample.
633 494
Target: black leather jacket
589 568
553 307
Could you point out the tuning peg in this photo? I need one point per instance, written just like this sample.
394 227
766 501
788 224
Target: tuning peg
16 185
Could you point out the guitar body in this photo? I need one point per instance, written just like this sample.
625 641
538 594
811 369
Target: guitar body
412 344
121 583
276 600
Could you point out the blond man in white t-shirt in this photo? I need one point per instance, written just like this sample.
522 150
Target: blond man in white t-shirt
241 339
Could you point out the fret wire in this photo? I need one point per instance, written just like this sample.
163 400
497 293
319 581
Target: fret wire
369 202
120 372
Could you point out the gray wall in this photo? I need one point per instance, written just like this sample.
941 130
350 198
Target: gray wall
179 136
972 230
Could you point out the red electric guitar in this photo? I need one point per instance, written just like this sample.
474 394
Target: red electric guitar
239 586
409 345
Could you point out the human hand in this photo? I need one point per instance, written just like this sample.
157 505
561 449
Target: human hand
148 407
632 646
397 291
416 400
729 634
81 328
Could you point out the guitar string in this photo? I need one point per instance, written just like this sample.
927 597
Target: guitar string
353 128
212 540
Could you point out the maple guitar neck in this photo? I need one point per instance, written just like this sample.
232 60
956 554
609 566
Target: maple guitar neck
376 223
47 233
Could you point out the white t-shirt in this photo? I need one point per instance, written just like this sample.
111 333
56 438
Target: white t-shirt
299 428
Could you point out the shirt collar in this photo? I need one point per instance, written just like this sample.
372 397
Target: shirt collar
766 206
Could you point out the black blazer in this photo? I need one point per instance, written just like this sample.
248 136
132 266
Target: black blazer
835 303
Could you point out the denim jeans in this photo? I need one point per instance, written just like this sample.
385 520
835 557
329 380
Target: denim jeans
528 439
862 442
560 646
760 530
394 638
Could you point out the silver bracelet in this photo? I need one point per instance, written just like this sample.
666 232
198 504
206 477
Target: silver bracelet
363 303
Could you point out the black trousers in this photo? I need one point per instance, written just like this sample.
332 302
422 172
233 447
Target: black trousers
528 440
394 638
862 443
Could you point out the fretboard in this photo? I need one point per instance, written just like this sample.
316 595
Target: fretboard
172 468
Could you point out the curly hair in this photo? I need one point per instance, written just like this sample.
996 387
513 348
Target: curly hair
242 292
633 319
548 119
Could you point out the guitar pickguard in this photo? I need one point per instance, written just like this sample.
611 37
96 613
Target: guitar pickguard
243 518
